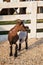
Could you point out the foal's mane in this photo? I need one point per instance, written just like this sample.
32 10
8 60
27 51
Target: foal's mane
18 22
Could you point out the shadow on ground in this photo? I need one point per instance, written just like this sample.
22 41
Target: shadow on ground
37 43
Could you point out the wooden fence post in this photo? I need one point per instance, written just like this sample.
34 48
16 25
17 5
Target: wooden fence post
33 19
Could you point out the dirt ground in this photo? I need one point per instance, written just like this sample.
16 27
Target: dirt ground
32 56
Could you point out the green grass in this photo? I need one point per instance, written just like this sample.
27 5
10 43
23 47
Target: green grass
39 30
7 22
11 22
6 32
40 21
14 22
3 32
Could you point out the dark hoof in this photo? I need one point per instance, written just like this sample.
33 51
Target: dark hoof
15 55
26 48
19 49
11 54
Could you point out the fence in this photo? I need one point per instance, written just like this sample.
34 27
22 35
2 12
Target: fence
33 16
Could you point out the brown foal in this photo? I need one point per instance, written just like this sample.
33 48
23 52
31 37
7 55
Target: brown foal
13 36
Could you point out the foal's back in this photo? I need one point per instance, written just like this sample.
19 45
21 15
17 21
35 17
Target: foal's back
13 32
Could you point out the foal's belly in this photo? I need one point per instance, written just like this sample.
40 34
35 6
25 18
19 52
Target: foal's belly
11 36
13 39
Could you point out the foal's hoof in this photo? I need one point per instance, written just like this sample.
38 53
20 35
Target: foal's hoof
11 54
19 49
15 55
26 48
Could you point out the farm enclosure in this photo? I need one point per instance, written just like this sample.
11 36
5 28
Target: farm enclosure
33 16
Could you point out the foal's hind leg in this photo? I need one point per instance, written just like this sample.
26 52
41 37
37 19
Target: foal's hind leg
20 44
16 48
26 42
11 50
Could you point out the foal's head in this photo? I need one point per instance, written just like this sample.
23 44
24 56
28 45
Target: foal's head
21 25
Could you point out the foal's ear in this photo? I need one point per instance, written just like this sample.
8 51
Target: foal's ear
21 23
18 21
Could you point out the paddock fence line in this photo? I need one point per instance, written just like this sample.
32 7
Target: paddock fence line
32 16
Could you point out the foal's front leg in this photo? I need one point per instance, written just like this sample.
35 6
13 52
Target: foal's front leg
16 48
11 50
